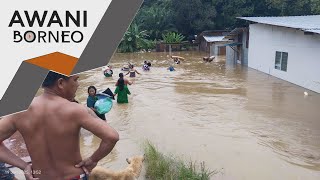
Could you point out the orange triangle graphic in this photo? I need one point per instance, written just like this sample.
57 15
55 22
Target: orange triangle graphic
58 62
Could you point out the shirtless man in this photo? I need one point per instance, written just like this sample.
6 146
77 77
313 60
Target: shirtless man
51 128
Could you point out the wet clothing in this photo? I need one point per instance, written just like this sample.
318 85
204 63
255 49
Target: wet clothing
145 67
90 103
132 73
108 73
80 177
5 173
171 68
122 96
91 100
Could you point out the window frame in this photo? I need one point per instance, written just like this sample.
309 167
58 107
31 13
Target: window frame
281 61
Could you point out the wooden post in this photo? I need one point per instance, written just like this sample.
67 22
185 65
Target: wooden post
170 50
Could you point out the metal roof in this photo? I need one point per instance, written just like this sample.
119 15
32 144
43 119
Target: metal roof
233 44
237 31
214 38
306 23
314 31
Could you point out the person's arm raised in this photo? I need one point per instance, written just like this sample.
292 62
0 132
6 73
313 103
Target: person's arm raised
109 137
137 72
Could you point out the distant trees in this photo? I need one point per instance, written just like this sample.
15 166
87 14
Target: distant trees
133 40
228 10
315 6
190 17
155 17
172 37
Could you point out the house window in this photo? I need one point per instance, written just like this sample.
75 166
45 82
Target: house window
281 61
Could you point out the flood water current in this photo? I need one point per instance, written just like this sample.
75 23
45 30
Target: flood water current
243 123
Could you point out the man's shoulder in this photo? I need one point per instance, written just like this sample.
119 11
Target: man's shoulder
73 111
58 105
73 108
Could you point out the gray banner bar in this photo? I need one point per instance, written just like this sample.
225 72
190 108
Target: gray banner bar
108 34
22 88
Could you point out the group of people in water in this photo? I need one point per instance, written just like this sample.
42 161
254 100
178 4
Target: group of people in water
122 91
51 126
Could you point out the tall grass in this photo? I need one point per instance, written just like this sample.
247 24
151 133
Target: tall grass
162 167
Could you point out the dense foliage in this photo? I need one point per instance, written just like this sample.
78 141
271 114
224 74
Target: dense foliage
190 17
172 37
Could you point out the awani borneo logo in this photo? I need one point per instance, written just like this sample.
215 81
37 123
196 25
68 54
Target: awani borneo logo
76 19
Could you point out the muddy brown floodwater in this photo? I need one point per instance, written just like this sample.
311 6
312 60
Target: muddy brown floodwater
241 122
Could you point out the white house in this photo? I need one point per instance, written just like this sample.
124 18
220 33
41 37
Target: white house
287 48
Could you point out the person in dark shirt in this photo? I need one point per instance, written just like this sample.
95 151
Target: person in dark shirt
132 71
91 100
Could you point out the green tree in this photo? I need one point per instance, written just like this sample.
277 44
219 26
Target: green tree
228 10
156 20
191 17
133 40
315 6
172 37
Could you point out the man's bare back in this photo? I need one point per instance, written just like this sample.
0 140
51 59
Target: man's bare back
52 136
51 127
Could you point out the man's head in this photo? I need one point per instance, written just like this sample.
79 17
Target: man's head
63 85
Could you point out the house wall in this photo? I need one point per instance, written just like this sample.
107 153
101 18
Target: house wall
230 55
217 48
244 48
303 54
242 51
204 45
212 50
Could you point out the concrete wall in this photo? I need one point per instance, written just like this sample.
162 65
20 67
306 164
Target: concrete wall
303 66
214 49
244 49
230 55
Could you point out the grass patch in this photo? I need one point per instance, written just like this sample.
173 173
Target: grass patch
162 167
